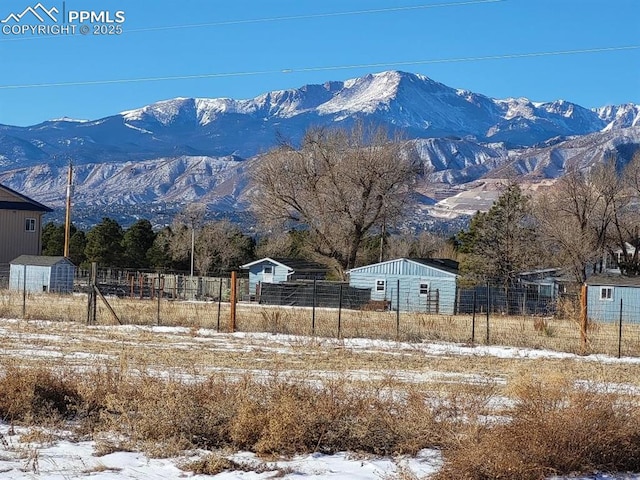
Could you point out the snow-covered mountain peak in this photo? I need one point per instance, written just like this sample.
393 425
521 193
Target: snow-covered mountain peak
68 119
164 111
517 107
619 116
363 94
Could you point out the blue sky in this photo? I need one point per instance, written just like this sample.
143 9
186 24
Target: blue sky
278 44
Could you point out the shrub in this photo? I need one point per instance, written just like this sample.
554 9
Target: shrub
37 395
554 429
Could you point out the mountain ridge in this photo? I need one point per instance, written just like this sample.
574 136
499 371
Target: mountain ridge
202 148
415 104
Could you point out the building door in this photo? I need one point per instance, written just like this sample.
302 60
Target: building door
267 274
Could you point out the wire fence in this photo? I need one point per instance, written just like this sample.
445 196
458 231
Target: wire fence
526 316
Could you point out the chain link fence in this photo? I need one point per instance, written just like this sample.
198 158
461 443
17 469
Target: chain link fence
484 315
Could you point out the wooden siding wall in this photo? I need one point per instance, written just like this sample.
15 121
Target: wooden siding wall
14 239
8 197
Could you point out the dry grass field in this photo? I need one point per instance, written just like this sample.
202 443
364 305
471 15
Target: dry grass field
560 333
493 412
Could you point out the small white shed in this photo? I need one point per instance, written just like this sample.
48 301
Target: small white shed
35 273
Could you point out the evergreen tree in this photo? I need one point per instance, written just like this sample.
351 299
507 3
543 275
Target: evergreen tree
52 239
500 243
104 244
159 254
77 245
53 242
137 241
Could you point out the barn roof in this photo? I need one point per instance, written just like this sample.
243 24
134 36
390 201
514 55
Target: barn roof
292 264
444 264
614 280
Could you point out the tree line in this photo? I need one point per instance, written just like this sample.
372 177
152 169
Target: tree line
218 244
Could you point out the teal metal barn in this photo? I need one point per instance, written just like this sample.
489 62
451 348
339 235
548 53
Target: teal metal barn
414 285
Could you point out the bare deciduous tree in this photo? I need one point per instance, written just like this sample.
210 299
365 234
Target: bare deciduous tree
567 224
339 185
219 244
223 245
423 245
625 187
589 213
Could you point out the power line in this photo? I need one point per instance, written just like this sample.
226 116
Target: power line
291 17
318 15
284 18
325 68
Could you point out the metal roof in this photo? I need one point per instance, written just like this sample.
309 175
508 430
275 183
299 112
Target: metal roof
443 264
615 280
39 260
293 264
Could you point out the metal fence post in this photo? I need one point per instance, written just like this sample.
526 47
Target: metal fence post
24 291
398 310
473 318
159 295
219 303
340 313
234 293
620 332
313 309
488 307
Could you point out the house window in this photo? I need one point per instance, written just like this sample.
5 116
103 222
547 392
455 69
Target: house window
268 270
30 225
424 288
380 286
606 293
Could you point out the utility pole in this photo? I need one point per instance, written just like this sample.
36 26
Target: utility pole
67 223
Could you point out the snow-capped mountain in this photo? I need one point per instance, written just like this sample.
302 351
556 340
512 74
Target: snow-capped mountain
417 105
620 116
194 148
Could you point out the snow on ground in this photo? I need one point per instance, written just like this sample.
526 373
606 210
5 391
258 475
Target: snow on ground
61 459
66 460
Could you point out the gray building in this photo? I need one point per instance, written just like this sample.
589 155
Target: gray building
41 274
420 285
